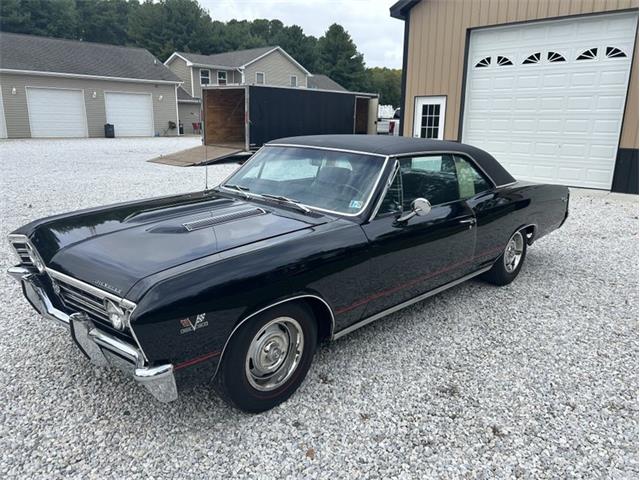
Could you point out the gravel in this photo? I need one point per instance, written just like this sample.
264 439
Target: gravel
538 379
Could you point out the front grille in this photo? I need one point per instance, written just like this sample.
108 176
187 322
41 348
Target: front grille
22 249
78 300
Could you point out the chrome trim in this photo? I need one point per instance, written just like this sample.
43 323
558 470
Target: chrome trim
455 152
90 288
344 150
159 381
392 176
123 302
20 238
41 302
18 272
312 207
291 299
402 305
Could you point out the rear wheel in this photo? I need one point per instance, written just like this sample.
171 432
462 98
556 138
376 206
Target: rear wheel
507 267
267 359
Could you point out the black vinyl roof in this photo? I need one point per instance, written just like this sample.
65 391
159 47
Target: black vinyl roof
398 146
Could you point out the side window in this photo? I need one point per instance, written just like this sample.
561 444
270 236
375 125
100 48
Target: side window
470 180
430 176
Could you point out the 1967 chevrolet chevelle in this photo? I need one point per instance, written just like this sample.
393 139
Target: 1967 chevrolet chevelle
310 239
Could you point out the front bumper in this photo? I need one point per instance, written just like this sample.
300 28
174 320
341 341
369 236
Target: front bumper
101 348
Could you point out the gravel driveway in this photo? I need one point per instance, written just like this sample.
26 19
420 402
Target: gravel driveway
537 379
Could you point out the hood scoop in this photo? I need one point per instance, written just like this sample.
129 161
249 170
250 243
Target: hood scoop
212 220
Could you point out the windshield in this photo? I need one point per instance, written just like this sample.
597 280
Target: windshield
330 180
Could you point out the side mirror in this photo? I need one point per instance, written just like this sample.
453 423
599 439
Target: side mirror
419 207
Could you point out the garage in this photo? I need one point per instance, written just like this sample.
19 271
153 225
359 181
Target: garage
547 98
3 123
130 113
56 112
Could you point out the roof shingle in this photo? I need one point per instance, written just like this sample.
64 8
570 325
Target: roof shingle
322 82
228 59
44 54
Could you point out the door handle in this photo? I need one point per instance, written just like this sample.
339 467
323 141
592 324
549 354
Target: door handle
468 221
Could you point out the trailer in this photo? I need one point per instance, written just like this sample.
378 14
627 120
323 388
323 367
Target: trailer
248 116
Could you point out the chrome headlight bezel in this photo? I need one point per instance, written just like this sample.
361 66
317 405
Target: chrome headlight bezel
117 314
32 253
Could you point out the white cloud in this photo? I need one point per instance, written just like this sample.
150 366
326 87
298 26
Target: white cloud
377 35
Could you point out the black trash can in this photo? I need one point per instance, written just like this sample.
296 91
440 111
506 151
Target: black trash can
109 130
181 128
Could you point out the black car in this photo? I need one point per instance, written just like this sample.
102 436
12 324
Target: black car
310 239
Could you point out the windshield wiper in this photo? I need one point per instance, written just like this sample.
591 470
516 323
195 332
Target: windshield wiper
238 188
290 201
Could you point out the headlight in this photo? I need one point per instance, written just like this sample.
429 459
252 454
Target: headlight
117 316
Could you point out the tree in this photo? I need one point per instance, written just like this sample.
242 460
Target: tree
52 18
387 83
300 46
104 21
339 58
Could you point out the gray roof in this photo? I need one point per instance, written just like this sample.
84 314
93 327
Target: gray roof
184 96
228 59
323 82
44 54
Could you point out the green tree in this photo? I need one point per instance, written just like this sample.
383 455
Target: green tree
339 58
300 46
170 25
386 82
104 21
53 18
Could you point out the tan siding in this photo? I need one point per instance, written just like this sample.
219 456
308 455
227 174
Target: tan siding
437 37
189 114
277 69
629 137
232 77
179 67
17 116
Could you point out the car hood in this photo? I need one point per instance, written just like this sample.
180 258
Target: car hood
115 247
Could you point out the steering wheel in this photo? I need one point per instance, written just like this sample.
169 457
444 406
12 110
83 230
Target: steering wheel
353 189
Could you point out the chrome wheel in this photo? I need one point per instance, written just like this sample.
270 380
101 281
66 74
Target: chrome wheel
274 354
513 253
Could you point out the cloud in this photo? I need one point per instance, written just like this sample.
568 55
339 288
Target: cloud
378 36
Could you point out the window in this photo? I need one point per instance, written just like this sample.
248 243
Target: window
533 58
503 61
590 54
439 178
204 77
429 117
260 78
222 78
293 81
613 52
485 62
555 57
335 181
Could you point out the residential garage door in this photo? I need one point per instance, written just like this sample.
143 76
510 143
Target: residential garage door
130 113
56 112
547 98
3 123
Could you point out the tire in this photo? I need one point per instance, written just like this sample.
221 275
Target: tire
508 265
267 358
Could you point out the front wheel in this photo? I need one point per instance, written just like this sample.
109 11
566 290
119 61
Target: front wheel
507 267
267 359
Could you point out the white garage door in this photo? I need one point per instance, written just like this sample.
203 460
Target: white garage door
3 123
547 98
130 113
56 112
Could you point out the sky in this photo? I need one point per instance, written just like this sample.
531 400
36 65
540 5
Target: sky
378 36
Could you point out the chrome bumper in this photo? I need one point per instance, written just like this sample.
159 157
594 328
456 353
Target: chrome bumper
103 350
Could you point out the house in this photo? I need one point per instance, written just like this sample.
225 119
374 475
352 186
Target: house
549 88
65 88
265 65
323 82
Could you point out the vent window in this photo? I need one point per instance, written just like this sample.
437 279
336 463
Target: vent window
533 58
485 62
503 61
555 57
590 54
614 52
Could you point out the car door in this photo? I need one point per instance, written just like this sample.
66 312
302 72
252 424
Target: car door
411 257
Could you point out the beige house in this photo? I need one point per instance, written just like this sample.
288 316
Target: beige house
65 88
549 87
